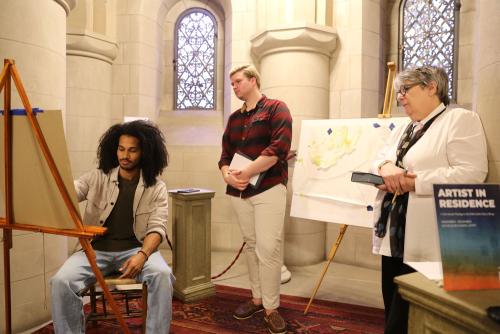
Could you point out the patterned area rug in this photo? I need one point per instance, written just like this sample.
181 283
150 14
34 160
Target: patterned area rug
214 315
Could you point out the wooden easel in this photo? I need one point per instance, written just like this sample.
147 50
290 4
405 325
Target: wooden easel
386 113
83 233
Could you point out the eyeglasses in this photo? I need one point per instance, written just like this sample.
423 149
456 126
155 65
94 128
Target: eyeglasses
405 88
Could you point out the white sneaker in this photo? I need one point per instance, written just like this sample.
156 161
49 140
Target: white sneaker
286 275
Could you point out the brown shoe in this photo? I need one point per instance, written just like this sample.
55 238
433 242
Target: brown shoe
275 323
247 310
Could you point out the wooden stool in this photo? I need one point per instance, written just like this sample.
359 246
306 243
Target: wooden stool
120 291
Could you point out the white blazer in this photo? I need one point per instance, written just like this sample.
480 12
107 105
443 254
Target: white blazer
453 150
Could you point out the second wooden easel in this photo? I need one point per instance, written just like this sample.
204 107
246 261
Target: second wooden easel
7 223
386 113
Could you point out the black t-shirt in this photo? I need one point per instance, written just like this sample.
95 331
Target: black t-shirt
120 223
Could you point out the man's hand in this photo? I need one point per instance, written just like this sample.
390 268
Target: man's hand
243 174
133 266
235 179
396 180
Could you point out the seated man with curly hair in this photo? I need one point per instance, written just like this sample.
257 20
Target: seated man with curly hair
125 195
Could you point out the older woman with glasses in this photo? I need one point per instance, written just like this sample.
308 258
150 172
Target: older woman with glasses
440 145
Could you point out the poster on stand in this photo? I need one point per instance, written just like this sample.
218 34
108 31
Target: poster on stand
469 233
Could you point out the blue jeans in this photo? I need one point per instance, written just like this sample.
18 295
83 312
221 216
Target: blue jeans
76 274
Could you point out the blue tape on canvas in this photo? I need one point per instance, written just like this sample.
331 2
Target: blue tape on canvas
22 112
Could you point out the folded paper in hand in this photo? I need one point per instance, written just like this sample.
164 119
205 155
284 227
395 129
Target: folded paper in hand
367 178
239 162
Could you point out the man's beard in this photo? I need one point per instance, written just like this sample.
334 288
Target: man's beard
130 166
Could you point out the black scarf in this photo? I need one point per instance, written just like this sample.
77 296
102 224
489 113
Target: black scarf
396 205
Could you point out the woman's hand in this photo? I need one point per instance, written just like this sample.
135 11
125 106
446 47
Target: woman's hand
407 182
396 180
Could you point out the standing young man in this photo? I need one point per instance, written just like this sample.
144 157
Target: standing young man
125 195
261 130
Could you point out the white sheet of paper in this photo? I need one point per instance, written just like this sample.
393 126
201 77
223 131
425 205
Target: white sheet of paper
431 270
240 162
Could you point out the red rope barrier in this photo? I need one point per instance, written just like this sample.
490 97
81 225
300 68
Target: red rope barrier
225 270
232 263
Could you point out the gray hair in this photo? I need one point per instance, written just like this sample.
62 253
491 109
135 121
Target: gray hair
424 76
249 71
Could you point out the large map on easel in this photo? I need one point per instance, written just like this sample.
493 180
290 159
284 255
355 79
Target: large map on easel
329 151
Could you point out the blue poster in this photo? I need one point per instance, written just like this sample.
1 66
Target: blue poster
469 233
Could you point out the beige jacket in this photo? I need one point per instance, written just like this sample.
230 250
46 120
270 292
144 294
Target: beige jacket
101 191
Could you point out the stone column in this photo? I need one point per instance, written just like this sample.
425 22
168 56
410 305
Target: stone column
91 50
294 65
33 33
486 86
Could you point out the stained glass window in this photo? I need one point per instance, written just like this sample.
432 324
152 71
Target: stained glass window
194 60
429 31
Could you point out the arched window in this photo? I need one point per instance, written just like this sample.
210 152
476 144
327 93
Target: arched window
428 36
195 60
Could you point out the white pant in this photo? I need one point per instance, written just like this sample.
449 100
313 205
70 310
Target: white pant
261 220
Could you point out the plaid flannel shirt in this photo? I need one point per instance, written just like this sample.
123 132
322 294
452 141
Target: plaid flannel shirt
265 130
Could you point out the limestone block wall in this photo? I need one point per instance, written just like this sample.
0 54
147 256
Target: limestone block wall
241 26
38 47
356 64
89 109
136 78
284 12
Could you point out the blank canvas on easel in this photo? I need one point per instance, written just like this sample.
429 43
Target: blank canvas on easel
37 200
